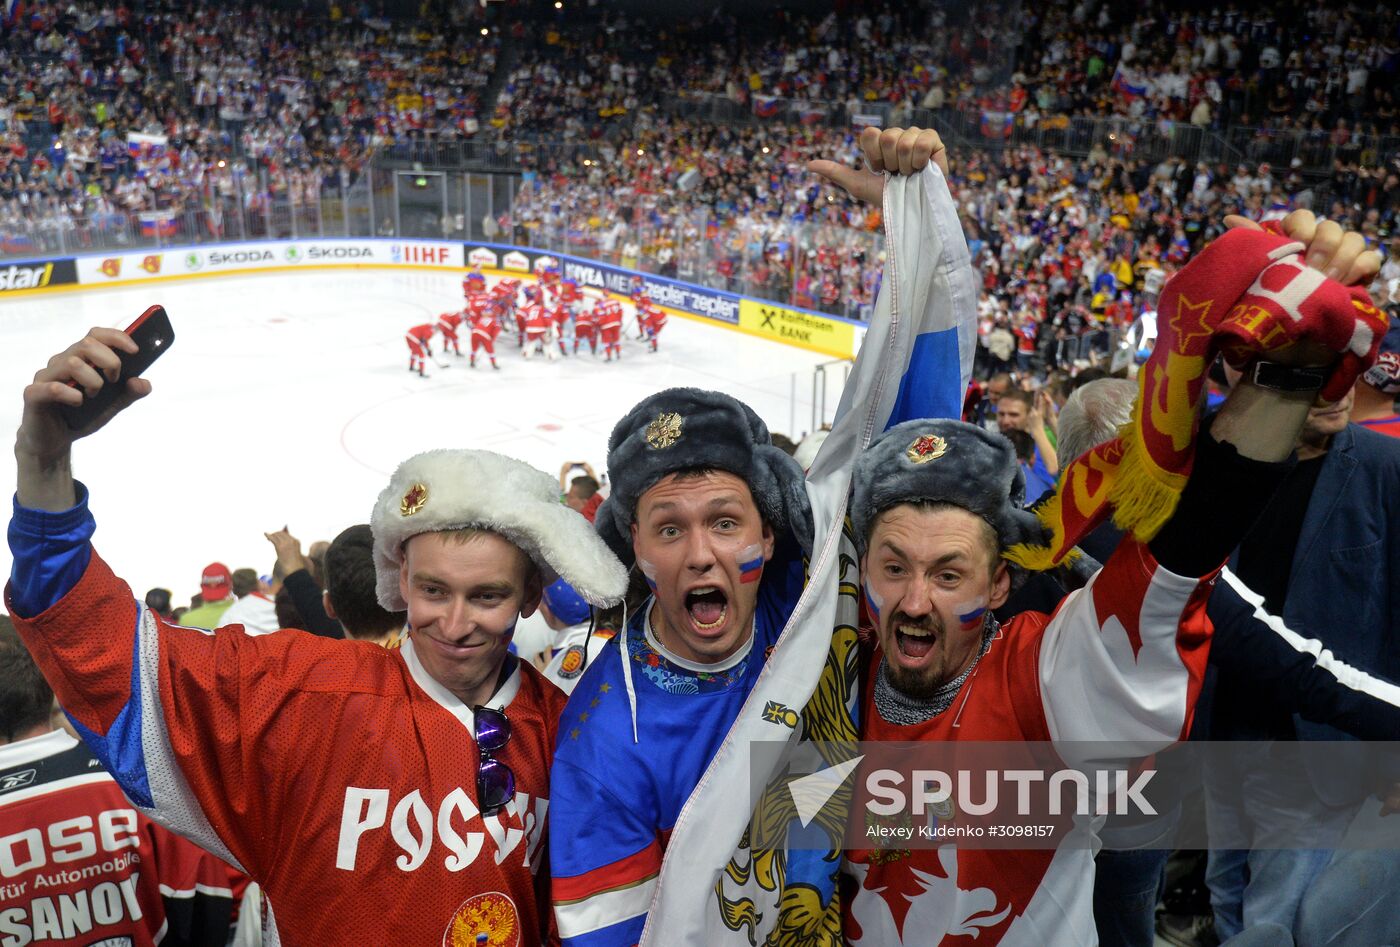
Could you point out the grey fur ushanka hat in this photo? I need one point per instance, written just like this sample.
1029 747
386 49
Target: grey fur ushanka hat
686 429
943 461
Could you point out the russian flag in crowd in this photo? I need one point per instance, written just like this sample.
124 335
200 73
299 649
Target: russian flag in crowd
997 124
145 150
766 106
14 9
1127 81
811 116
157 225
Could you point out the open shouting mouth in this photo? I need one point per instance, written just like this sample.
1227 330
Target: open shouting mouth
707 607
914 641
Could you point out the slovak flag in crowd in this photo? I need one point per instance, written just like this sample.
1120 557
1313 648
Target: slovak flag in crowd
766 106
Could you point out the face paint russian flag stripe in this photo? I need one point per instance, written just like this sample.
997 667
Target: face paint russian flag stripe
871 604
648 573
750 563
970 614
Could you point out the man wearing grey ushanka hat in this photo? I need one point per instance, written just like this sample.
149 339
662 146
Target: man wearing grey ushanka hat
691 429
718 522
1110 677
701 501
982 477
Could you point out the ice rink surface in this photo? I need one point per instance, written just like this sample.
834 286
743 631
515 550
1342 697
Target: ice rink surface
286 400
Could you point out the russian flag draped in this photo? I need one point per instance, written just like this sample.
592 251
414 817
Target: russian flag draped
717 886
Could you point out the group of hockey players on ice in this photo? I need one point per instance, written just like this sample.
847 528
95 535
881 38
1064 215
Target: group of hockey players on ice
541 314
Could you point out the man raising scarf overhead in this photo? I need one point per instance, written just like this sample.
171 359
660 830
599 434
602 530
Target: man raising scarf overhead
1249 295
732 540
1113 675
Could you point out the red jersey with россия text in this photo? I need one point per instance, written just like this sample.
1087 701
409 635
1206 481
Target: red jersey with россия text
338 774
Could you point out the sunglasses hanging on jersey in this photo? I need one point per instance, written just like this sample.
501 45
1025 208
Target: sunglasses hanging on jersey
495 783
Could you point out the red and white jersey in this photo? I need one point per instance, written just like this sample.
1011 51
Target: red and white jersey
480 305
609 313
559 314
534 319
586 320
473 285
338 774
1120 661
423 333
652 316
448 322
80 865
483 320
569 291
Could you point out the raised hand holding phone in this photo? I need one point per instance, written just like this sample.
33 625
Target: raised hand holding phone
152 334
57 410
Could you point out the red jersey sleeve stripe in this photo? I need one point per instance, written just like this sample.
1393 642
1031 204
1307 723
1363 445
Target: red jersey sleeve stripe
624 873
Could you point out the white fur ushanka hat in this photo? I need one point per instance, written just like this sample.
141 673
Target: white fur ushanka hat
441 490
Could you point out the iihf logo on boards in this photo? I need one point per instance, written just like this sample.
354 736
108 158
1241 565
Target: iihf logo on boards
395 253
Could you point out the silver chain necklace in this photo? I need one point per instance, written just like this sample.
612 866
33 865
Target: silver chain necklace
905 711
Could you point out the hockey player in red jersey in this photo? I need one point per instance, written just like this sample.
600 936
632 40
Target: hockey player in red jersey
448 324
610 327
485 327
570 294
640 301
379 796
549 283
92 864
506 295
473 283
558 314
420 346
586 327
535 325
652 319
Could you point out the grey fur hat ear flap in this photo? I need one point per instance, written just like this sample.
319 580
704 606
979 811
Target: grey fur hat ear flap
691 429
792 488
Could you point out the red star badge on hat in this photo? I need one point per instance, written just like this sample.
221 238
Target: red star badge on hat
926 447
413 500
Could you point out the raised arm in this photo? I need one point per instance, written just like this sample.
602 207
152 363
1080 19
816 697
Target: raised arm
1123 658
173 713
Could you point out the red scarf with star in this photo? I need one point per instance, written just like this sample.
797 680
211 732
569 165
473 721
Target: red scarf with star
1248 294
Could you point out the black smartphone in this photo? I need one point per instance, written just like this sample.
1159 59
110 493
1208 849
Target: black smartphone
153 334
